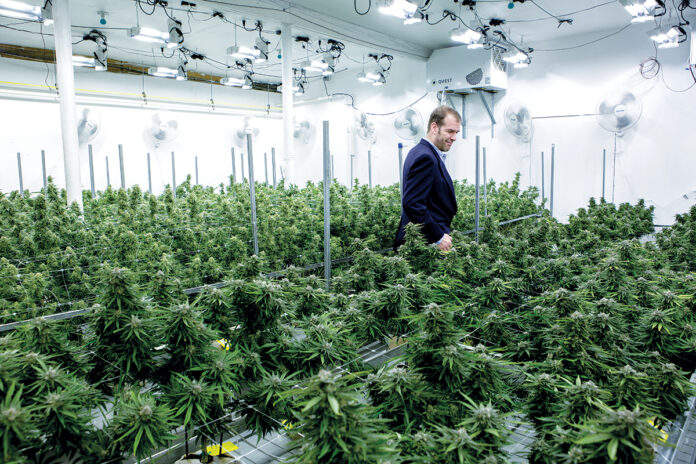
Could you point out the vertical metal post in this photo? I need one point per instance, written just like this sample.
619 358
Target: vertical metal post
43 171
604 170
327 207
476 199
273 166
463 115
91 169
485 185
108 178
352 156
492 109
195 159
173 176
401 169
252 194
613 172
149 175
333 174
543 175
265 165
120 162
234 168
19 170
369 167
241 163
553 158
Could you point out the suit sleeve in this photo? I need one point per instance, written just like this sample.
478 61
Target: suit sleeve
417 187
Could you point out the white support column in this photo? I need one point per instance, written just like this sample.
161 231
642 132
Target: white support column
288 110
66 90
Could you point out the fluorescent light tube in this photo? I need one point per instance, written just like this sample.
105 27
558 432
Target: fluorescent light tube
83 61
640 10
232 81
145 34
20 10
468 36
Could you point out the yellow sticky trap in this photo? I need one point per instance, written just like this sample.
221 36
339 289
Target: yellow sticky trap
663 435
223 343
287 425
227 447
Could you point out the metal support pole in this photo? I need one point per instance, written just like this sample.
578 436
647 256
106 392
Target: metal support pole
401 169
327 207
43 171
604 170
173 176
493 122
485 185
234 168
333 174
287 76
476 200
149 175
265 165
369 167
108 178
120 162
252 194
68 113
241 163
352 156
195 159
553 158
543 175
91 170
463 115
273 166
613 173
19 170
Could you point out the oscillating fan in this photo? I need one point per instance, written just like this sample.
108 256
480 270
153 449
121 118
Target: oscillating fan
303 131
160 131
409 124
518 121
88 125
364 127
619 111
240 134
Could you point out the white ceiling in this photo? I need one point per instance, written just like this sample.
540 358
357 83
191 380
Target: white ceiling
318 19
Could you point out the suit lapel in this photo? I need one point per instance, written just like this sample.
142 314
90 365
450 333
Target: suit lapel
443 170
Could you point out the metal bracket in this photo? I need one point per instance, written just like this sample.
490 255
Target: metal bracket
488 107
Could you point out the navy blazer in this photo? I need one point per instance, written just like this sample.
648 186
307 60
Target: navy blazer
428 197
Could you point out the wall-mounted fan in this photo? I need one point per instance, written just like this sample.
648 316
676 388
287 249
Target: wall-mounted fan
618 111
303 131
364 127
408 124
240 134
518 120
88 125
161 130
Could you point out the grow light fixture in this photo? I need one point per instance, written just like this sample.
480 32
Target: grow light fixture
243 52
381 80
262 47
362 77
517 58
176 33
100 53
642 10
468 36
323 64
20 10
242 82
668 37
145 34
160 71
416 18
403 9
297 89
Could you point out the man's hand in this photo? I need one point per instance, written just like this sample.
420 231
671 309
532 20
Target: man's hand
445 243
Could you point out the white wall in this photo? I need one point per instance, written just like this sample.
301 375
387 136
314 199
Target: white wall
31 126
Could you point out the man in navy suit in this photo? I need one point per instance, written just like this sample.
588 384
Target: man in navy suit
428 193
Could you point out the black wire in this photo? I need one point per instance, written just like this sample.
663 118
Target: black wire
612 2
398 111
355 7
445 14
584 44
352 99
154 7
560 21
48 70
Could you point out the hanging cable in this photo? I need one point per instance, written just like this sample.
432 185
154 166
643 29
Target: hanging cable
355 7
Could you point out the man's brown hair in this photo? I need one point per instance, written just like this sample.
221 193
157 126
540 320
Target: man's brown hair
440 113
